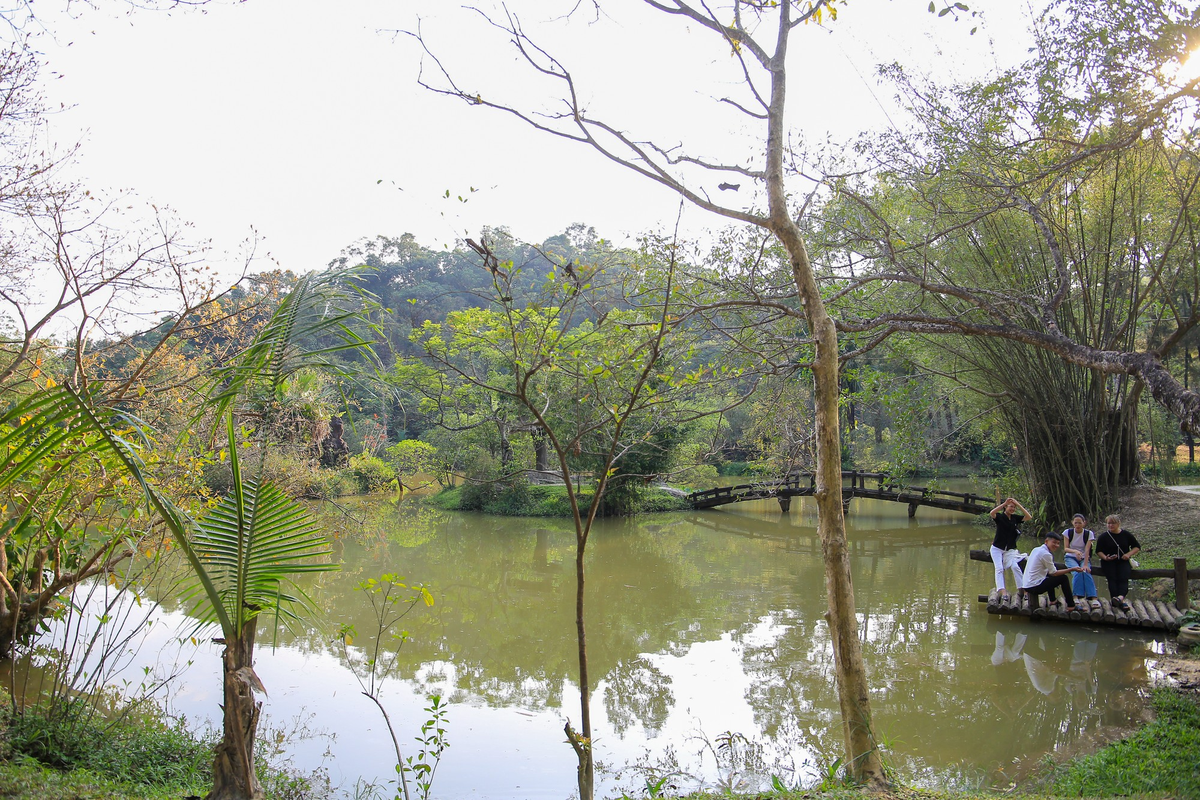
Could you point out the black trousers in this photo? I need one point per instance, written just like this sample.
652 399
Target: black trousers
1049 584
1117 574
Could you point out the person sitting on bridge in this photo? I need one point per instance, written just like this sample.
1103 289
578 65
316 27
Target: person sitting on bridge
1041 575
1077 552
1004 545
1116 548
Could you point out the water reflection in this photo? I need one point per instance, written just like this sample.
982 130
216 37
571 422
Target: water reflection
699 623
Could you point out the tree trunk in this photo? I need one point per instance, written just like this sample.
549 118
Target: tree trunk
581 741
862 755
234 776
506 451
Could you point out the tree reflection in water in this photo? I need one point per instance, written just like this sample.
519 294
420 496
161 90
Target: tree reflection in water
702 624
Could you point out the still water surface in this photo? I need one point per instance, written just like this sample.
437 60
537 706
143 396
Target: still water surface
699 624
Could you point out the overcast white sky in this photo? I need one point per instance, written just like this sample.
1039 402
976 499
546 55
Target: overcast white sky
303 120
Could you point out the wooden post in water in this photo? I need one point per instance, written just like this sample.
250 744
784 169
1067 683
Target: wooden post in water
785 503
1182 600
912 510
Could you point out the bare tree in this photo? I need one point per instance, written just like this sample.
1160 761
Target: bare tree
757 34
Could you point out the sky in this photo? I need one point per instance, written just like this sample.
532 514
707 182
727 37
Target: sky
306 128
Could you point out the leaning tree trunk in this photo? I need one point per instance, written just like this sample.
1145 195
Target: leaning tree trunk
234 776
862 755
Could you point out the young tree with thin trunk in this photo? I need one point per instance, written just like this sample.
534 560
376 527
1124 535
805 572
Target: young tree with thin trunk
606 392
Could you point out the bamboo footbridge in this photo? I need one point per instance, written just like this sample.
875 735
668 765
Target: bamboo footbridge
854 484
1145 614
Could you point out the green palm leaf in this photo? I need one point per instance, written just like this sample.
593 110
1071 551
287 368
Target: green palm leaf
60 426
252 544
49 427
244 552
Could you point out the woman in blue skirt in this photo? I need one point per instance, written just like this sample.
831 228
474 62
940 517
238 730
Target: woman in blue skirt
1078 553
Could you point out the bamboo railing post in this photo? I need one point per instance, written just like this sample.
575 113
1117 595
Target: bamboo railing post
1182 600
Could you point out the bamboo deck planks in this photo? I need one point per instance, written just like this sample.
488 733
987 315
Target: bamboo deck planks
1145 614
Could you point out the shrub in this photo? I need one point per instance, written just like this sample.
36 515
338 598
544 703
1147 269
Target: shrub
412 456
141 752
1190 470
325 484
477 495
371 473
141 748
508 498
658 500
302 477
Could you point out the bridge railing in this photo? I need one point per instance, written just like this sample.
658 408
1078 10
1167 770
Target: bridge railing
853 481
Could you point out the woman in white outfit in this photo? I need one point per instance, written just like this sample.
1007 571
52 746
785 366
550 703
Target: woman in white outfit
1004 546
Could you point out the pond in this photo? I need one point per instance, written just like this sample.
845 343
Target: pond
704 628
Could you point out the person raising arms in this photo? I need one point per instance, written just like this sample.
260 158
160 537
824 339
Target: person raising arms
1004 544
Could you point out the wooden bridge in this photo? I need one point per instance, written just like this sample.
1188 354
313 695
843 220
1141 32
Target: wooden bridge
854 484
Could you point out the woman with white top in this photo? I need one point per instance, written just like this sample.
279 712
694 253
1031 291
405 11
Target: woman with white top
1077 552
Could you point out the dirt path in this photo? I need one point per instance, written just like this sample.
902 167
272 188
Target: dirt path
1167 523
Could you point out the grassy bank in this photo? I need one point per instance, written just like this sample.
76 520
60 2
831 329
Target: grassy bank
75 754
524 500
1160 760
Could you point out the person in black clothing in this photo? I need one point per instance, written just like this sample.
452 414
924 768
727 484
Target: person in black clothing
1004 545
1116 548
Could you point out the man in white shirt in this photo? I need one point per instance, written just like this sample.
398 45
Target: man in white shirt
1041 576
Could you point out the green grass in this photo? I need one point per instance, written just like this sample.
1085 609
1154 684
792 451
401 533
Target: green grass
139 749
1161 759
29 780
72 754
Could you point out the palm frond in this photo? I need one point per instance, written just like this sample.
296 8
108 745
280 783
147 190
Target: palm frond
253 543
47 428
70 418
